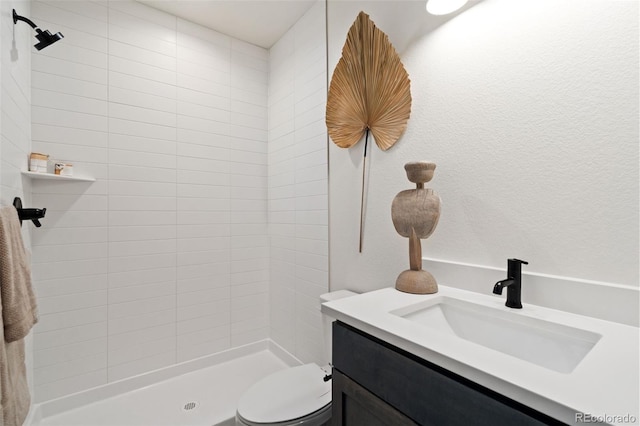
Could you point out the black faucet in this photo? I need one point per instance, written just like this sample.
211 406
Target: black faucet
513 283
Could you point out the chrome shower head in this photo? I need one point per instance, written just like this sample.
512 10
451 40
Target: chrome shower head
45 38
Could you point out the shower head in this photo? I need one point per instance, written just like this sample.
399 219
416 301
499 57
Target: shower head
45 38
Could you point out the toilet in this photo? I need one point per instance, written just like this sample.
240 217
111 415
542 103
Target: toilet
293 396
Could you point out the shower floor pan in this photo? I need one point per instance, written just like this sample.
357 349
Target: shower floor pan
202 397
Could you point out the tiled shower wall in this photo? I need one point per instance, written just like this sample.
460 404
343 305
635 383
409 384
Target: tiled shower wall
15 98
15 118
165 257
298 210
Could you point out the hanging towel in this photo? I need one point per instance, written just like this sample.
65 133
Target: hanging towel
19 314
18 300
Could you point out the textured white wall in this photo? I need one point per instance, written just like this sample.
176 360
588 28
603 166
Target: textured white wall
530 111
298 214
165 257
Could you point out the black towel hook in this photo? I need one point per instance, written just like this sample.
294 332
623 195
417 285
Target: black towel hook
28 214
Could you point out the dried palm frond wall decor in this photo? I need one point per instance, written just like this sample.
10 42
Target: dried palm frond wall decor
370 91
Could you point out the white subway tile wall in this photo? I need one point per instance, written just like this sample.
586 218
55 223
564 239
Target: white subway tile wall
15 95
298 209
165 257
15 119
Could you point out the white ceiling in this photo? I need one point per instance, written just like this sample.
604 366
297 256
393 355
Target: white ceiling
260 22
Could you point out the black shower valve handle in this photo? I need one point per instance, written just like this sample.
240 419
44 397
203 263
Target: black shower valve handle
35 216
29 214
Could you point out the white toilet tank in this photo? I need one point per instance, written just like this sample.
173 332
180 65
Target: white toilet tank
328 320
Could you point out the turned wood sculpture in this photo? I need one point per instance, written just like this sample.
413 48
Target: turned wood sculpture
415 214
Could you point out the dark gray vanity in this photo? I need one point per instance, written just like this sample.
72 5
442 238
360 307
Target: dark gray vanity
376 383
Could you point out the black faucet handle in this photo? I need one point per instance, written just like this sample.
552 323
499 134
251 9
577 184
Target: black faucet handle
514 268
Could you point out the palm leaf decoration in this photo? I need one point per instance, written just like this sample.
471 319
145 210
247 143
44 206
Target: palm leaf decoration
370 91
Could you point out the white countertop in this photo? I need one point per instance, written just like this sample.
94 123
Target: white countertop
604 384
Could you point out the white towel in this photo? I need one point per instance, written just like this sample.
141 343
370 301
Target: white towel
19 314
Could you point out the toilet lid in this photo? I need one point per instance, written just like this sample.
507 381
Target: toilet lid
286 395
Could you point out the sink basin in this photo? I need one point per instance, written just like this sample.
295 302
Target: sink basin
550 345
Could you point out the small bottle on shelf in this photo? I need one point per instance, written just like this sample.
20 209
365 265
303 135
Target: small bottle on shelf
38 162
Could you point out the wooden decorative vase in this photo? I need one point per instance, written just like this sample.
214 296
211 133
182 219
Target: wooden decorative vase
415 214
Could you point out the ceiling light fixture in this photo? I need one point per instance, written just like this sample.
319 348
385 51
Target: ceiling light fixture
45 38
444 7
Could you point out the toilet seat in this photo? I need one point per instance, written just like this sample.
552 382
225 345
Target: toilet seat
286 397
318 418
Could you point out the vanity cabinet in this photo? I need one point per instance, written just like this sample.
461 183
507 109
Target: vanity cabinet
375 383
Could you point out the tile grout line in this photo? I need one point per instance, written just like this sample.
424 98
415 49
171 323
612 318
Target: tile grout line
108 188
177 196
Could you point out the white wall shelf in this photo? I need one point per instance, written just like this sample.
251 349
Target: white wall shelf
51 176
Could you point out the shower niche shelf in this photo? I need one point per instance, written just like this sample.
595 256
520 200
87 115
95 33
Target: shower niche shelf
51 176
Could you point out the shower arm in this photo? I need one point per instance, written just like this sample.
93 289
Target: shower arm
45 38
17 18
